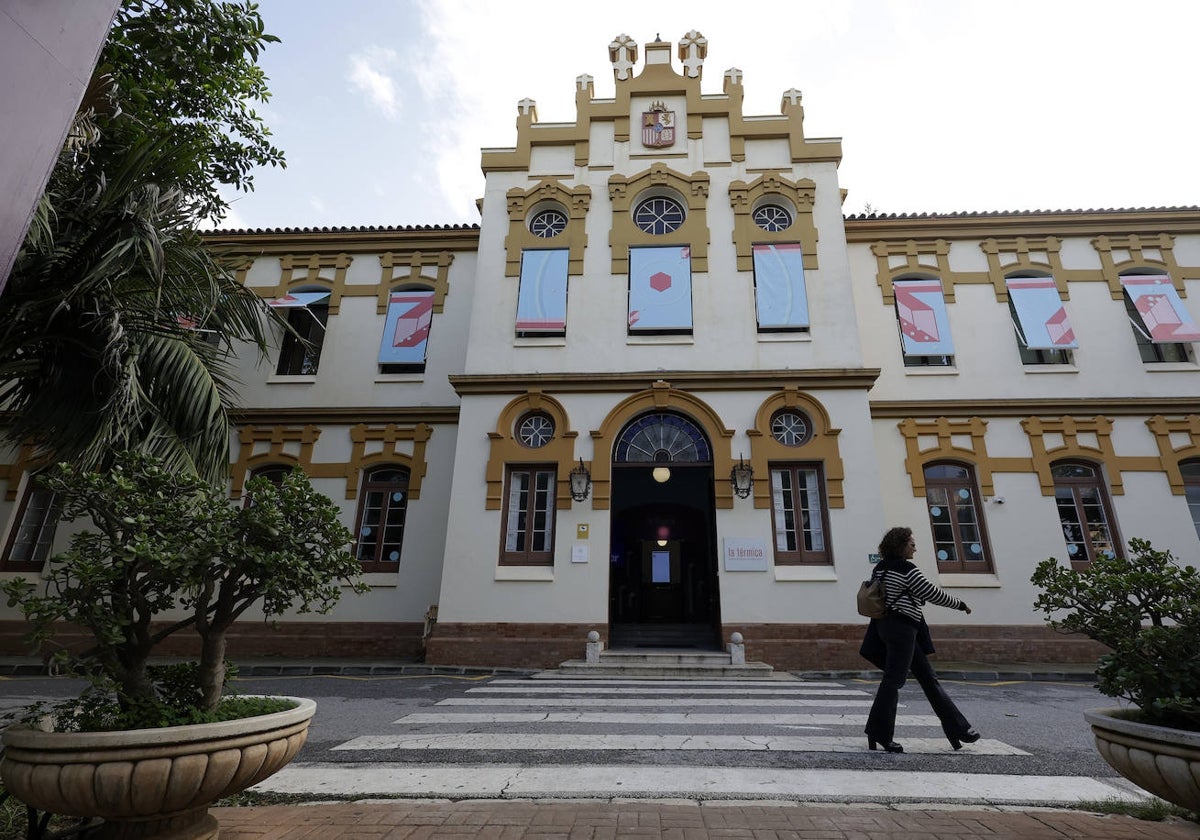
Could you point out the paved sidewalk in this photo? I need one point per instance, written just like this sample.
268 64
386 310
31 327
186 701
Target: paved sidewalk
593 820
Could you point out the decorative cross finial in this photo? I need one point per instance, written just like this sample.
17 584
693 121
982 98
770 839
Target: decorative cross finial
527 106
791 96
583 82
622 52
733 76
692 51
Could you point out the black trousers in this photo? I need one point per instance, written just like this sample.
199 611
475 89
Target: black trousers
903 654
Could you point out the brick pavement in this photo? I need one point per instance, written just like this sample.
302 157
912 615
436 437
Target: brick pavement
593 820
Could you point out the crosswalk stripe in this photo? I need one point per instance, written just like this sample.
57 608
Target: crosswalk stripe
601 689
621 741
519 781
641 702
657 719
668 683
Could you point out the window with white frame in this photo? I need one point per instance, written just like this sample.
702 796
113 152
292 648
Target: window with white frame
798 514
780 297
1044 334
308 316
382 508
1084 511
955 518
1162 327
1191 489
923 322
528 528
33 529
542 295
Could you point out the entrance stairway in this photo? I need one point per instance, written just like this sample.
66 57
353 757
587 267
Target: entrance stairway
664 664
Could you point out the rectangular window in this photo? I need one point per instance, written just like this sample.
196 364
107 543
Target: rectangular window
1044 334
798 514
529 516
779 293
1084 513
660 290
955 520
924 324
33 531
308 314
406 332
542 296
1162 327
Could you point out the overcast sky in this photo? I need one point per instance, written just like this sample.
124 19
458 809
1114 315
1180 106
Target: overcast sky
382 106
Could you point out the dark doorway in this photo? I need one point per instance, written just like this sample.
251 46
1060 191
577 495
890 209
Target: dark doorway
663 559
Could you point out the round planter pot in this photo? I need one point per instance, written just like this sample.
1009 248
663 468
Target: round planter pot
1159 759
151 783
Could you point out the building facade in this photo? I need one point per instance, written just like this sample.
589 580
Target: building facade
666 390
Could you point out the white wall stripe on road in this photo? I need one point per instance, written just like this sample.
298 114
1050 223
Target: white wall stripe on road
740 691
699 782
641 702
667 683
625 742
662 719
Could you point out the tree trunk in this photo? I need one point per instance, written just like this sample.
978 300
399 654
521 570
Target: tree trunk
212 668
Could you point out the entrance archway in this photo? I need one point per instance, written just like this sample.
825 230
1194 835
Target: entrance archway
663 589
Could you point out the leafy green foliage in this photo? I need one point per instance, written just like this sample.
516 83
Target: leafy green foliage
189 68
168 552
1145 607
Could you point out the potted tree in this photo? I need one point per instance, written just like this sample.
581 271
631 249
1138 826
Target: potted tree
1145 607
148 748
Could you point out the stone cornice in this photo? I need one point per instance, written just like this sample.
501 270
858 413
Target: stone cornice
693 380
1044 223
402 414
1135 406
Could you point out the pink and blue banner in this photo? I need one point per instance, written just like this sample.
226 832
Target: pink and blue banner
1040 313
779 287
1160 308
924 324
660 289
406 330
542 296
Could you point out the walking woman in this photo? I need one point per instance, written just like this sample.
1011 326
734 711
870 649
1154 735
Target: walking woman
900 642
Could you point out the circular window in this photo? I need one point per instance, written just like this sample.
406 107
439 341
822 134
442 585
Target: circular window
548 223
791 428
772 218
535 430
658 215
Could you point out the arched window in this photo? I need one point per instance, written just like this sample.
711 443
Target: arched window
659 215
382 507
33 529
955 517
1084 512
1191 489
662 438
274 473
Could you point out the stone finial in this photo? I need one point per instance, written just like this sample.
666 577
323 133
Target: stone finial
737 649
692 51
593 636
733 76
584 82
592 650
527 106
622 52
791 96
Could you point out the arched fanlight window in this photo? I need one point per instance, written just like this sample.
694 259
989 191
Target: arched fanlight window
662 438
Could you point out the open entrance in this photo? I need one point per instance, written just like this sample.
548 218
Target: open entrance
663 558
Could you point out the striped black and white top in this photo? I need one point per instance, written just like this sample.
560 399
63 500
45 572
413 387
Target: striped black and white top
906 590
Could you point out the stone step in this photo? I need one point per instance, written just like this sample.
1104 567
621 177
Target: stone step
661 664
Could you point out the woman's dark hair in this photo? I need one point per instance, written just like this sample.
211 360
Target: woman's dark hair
894 542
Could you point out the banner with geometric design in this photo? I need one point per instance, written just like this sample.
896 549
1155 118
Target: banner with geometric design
406 330
924 324
1162 312
660 288
1041 314
779 286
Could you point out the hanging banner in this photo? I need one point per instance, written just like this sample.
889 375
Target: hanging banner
542 296
660 289
1160 308
1041 314
406 330
924 323
779 287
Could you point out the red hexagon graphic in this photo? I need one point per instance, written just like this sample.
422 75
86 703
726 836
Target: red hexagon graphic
660 281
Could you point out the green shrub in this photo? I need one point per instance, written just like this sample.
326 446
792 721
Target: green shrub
1145 607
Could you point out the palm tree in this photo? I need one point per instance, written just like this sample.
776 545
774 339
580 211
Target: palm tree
117 322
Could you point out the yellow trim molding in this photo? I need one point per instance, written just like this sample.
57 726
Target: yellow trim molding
506 449
822 446
573 201
1172 456
745 197
402 271
625 192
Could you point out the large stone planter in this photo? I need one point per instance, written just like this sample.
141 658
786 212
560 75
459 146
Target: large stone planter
1159 759
151 783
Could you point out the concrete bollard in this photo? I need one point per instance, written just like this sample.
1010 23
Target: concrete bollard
737 650
594 645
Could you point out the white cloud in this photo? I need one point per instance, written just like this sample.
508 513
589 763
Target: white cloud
371 73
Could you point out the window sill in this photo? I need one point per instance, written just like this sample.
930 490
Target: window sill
538 573
931 370
969 580
798 572
1169 367
780 337
381 580
288 379
540 341
1051 369
400 377
660 339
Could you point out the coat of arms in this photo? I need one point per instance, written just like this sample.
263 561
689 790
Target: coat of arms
658 127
